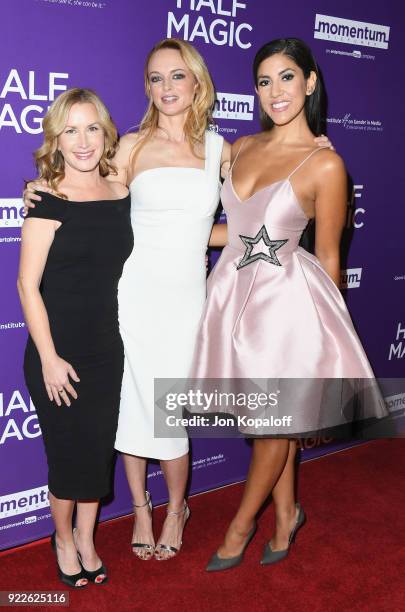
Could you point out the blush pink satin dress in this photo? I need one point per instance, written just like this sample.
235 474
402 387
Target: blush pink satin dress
272 311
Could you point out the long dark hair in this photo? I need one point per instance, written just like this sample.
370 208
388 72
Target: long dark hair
301 54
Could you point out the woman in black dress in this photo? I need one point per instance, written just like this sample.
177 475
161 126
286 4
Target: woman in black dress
73 250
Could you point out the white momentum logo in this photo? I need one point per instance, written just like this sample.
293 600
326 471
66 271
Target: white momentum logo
11 212
24 501
350 278
396 403
351 32
233 106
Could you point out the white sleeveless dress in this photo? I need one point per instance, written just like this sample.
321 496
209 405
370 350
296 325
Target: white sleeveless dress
162 291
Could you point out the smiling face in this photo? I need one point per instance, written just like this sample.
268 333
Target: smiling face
282 88
172 85
82 140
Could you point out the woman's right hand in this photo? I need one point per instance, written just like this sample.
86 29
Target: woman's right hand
29 194
56 372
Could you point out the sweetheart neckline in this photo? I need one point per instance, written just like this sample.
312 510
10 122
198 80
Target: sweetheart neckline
285 180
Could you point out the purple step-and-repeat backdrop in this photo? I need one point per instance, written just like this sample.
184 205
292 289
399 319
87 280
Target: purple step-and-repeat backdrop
48 46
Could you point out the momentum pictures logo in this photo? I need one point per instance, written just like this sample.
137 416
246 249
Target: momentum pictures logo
395 403
350 278
351 32
11 212
24 501
233 106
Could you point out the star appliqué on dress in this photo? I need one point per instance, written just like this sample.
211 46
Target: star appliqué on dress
273 246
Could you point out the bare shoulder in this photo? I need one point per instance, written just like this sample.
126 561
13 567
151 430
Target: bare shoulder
248 141
328 163
123 154
329 177
239 142
128 141
235 146
130 138
119 189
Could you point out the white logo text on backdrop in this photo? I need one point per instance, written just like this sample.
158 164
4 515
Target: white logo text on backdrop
217 32
351 32
11 212
234 106
16 424
397 348
24 501
353 211
350 278
16 88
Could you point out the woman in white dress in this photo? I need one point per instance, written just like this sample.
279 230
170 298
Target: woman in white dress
173 168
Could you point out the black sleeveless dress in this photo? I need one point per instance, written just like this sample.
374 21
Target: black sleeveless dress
79 289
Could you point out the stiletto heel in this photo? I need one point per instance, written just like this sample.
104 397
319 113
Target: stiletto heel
141 550
217 564
271 556
172 549
69 579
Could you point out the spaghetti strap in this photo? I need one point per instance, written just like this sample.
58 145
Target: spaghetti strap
242 144
305 159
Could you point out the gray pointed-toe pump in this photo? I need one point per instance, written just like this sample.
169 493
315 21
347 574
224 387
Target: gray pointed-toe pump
274 556
216 564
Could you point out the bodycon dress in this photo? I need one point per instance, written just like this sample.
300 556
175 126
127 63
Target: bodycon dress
79 289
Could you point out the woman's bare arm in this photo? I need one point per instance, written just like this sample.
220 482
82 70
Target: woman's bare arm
36 239
225 159
122 159
219 235
330 212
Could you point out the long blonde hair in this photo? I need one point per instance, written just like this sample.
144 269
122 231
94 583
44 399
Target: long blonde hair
200 114
49 160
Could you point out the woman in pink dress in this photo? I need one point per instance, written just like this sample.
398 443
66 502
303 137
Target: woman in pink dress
273 309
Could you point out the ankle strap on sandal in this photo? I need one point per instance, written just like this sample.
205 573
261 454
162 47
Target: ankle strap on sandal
147 501
184 509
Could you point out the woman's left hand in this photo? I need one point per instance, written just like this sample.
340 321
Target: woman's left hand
323 141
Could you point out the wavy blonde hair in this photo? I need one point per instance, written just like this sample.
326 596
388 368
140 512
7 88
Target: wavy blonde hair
200 114
49 160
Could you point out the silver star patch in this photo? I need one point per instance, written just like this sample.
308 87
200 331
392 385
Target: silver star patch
273 245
